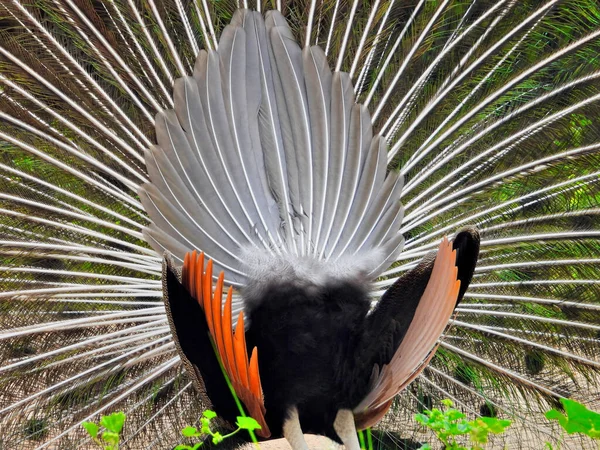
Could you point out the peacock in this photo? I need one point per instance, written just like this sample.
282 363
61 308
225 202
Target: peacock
344 211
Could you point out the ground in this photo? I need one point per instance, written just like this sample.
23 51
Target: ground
314 443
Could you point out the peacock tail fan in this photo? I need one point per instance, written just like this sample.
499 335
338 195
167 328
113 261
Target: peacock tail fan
488 112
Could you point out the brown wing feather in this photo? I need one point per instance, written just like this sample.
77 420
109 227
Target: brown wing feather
418 346
231 347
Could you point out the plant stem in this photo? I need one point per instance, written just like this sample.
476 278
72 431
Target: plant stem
361 438
235 397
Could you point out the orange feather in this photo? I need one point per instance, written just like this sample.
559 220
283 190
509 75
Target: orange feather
229 359
239 348
185 272
217 316
192 275
199 267
231 347
254 376
207 296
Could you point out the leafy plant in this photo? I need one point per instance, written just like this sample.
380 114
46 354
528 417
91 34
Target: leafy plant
576 419
449 424
109 439
243 423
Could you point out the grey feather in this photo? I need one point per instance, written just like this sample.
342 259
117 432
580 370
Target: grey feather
224 162
180 198
235 78
178 166
162 242
342 103
287 57
317 76
387 227
257 54
275 134
370 183
158 238
360 137
377 216
199 163
285 135
391 250
182 227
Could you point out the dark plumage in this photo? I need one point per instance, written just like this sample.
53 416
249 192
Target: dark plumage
308 340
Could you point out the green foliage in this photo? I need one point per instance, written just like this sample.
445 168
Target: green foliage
109 439
242 422
576 419
449 424
114 422
247 423
208 414
92 429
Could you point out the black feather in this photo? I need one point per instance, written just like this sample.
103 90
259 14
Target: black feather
307 338
466 244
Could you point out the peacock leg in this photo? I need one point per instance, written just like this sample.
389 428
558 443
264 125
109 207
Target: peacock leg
346 430
293 432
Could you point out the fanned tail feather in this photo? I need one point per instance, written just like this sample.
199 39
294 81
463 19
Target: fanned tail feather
482 113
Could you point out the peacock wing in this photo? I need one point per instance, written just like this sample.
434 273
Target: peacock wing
190 332
206 342
409 320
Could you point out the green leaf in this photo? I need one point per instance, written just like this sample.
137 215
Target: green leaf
209 414
554 414
190 432
114 422
422 419
464 427
577 418
110 438
425 447
453 414
451 422
495 425
197 446
247 423
91 428
183 447
217 438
